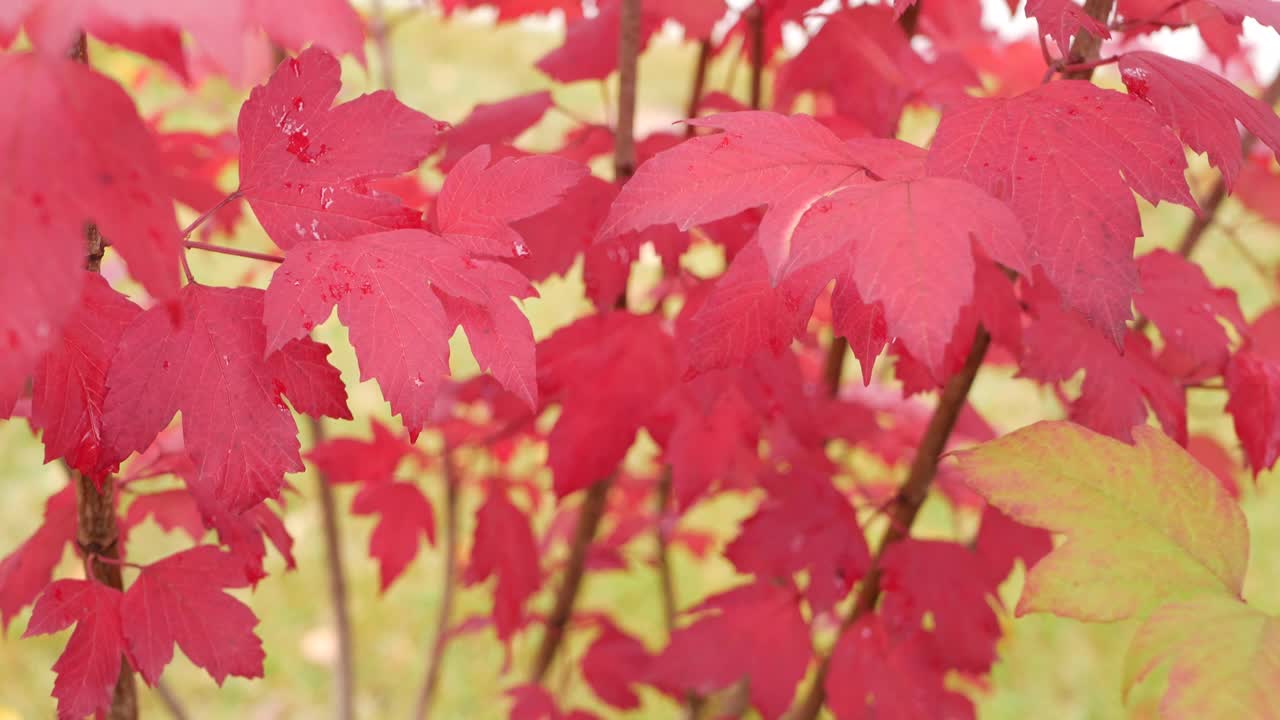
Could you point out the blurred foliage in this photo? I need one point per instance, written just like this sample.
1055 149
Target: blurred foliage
1048 667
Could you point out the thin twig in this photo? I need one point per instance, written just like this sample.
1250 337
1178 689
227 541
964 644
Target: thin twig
449 584
344 671
589 516
170 701
186 233
224 250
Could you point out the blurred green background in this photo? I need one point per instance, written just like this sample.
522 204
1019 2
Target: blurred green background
1048 667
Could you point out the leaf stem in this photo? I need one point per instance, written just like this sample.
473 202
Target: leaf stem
224 250
204 216
435 662
344 672
170 701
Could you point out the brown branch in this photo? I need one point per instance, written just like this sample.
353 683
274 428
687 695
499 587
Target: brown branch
589 516
236 252
924 466
624 142
435 663
170 701
833 368
665 577
344 672
97 532
699 83
755 34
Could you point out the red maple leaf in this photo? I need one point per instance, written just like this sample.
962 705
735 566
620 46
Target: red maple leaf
479 201
1202 106
1060 342
493 124
945 580
804 524
874 674
89 665
1061 20
29 568
71 380
219 31
216 370
631 358
613 663
753 632
405 517
305 164
1179 300
863 60
504 548
158 609
401 293
59 178
352 460
1076 208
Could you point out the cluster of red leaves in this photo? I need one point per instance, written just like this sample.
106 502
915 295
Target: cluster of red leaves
1019 217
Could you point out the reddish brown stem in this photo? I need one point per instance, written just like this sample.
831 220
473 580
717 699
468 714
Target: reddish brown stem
624 143
204 216
589 516
755 32
699 84
435 661
223 250
833 369
344 671
97 533
665 576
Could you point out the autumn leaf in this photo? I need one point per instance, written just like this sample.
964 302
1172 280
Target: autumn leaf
1222 658
1145 523
305 164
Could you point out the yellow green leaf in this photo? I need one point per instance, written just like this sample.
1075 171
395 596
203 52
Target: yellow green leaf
1223 659
1145 523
